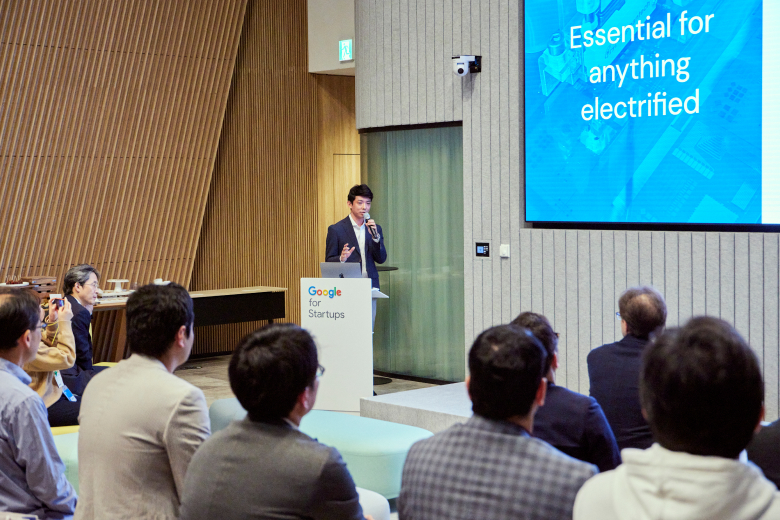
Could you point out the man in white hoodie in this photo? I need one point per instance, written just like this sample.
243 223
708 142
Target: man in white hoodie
702 393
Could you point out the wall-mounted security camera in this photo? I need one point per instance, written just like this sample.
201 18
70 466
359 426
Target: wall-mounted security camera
462 65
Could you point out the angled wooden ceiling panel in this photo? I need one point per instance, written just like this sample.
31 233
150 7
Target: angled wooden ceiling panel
110 117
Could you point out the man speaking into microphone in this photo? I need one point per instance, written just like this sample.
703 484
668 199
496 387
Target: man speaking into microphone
357 238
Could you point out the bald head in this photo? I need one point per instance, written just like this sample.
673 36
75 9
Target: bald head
644 311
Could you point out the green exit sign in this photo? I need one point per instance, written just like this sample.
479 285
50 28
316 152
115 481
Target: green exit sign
345 50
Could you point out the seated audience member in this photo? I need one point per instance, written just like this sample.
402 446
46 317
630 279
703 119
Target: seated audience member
140 424
764 451
80 286
56 352
614 368
702 392
571 422
263 466
491 467
32 475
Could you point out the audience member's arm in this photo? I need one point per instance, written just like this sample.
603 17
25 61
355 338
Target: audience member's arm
602 447
36 452
187 428
57 351
336 496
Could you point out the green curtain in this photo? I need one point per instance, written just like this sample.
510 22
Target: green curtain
417 180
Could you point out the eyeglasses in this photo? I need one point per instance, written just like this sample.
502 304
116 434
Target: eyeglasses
94 285
43 326
320 370
617 314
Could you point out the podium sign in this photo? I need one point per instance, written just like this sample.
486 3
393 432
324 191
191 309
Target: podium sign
337 313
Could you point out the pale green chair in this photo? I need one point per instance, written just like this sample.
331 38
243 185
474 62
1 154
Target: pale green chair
68 447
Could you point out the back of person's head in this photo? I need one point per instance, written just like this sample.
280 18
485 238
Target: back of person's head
506 365
77 274
155 313
701 388
644 311
359 190
19 312
272 367
542 330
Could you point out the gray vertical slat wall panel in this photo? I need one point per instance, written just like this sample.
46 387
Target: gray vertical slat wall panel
389 62
742 284
726 276
422 72
537 272
379 86
621 274
497 198
770 323
457 31
671 281
440 80
684 277
659 260
560 323
756 263
398 57
548 274
468 206
596 310
632 259
511 152
525 271
486 130
430 61
698 274
583 303
403 20
360 64
608 301
645 258
572 312
712 274
448 14
508 198
414 65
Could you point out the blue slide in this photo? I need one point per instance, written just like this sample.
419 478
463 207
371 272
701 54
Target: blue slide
644 111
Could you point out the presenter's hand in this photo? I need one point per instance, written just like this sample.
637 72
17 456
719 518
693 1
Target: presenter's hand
372 225
346 252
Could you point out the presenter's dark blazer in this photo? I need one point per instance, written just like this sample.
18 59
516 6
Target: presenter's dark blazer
342 233
614 383
575 424
77 377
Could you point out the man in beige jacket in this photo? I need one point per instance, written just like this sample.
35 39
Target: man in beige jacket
56 352
140 424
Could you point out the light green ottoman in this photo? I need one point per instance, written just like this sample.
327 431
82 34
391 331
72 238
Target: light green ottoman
374 450
68 448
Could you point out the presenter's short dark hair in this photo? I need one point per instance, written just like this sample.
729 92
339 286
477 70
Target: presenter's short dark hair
19 312
701 388
77 274
359 190
506 364
540 327
155 313
644 311
270 368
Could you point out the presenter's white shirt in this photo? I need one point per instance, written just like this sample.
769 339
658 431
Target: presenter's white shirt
360 232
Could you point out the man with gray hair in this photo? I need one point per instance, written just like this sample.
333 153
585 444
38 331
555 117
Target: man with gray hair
614 368
80 286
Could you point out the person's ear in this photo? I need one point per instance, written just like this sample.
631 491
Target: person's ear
760 418
181 336
554 365
468 385
541 392
644 414
25 339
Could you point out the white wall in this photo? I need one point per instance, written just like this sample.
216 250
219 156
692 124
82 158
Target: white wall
331 21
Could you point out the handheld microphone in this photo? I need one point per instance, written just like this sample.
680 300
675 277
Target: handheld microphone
371 230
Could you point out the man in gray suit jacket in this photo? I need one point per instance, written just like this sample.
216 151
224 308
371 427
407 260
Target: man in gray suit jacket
490 467
263 467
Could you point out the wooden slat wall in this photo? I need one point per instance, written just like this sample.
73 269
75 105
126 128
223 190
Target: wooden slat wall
260 225
338 151
404 77
110 115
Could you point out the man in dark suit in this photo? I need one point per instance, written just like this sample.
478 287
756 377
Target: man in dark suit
614 368
355 239
262 466
571 422
80 286
491 467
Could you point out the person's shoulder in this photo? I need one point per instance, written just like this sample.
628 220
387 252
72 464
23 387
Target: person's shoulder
595 498
555 458
569 398
15 393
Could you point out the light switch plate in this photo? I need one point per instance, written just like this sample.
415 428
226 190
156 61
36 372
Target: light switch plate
504 251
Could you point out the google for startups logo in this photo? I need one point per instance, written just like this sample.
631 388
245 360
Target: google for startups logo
314 302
